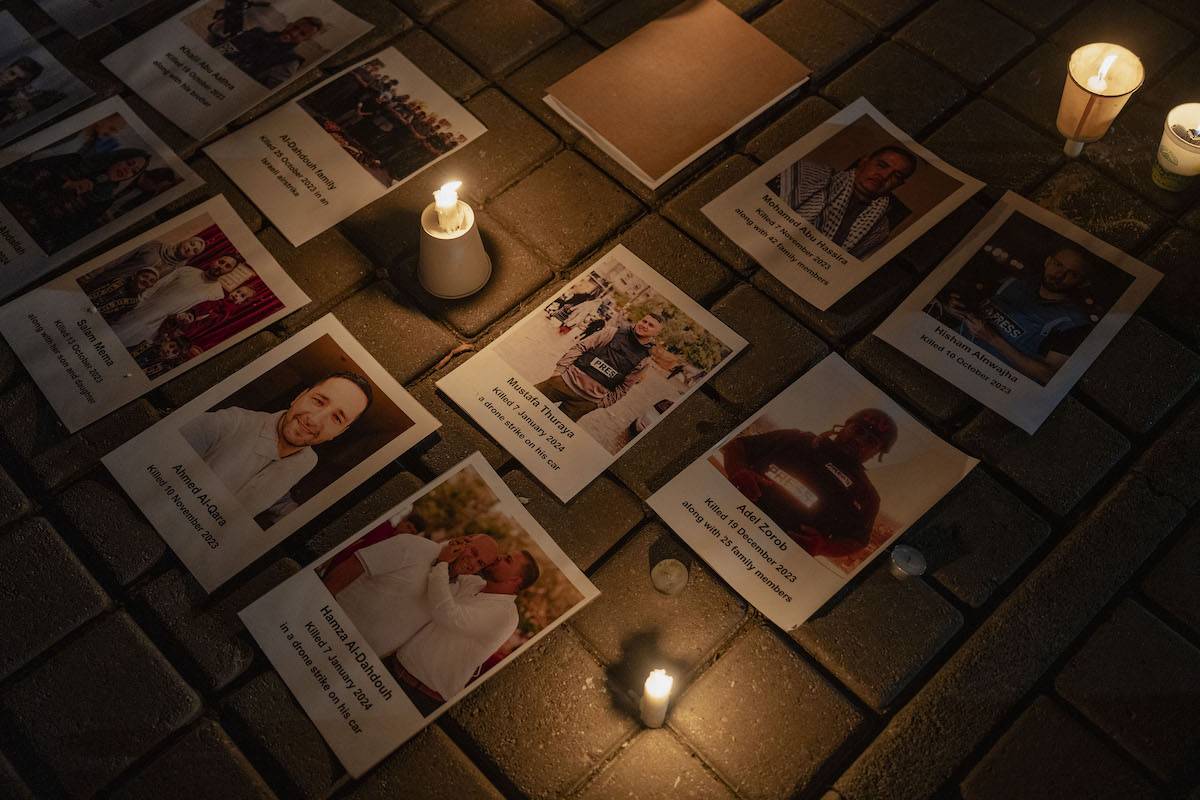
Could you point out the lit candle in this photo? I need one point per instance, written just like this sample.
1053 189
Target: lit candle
1178 161
656 697
1101 77
445 202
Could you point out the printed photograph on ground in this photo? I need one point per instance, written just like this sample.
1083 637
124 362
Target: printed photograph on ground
611 353
34 86
170 299
446 589
378 121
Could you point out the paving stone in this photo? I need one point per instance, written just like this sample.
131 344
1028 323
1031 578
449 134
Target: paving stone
425 10
439 63
977 537
1174 582
691 428
364 506
587 527
11 368
878 636
968 38
1172 464
458 437
31 17
202 763
1032 88
204 376
13 502
216 183
789 128
326 268
109 672
926 740
82 59
731 716
565 208
684 210
1140 376
818 34
1099 206
529 83
634 628
674 256
655 758
97 510
517 272
1128 152
45 595
858 308
906 88
564 728
379 317
11 785
882 13
909 381
182 143
1069 455
1176 87
280 739
623 18
1155 38
779 348
1048 755
989 144
427 767
576 11
1175 302
51 455
496 35
389 22
1135 678
207 629
1037 16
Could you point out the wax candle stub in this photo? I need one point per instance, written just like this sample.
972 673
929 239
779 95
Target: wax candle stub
448 207
669 576
907 562
656 697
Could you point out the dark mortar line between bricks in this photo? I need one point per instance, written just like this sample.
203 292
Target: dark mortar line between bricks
479 757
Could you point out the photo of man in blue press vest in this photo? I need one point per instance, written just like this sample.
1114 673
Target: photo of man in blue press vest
601 368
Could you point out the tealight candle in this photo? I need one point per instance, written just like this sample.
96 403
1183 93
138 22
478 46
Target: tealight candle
445 202
907 562
1178 161
1101 77
655 698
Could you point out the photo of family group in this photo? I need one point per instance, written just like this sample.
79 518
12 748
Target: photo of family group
34 86
1029 297
269 40
306 422
447 588
863 186
382 121
76 185
172 298
612 353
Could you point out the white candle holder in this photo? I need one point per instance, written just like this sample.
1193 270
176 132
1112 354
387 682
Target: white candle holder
1178 161
453 263
1101 77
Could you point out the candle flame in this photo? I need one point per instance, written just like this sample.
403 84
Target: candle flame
659 683
1106 65
447 196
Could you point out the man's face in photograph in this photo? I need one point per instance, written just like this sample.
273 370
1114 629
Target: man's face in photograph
13 75
468 555
508 570
322 412
865 436
1064 270
647 327
881 174
298 32
221 266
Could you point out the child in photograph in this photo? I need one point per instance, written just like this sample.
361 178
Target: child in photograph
814 486
851 206
259 455
182 288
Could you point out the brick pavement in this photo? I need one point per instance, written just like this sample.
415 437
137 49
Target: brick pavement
1052 651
